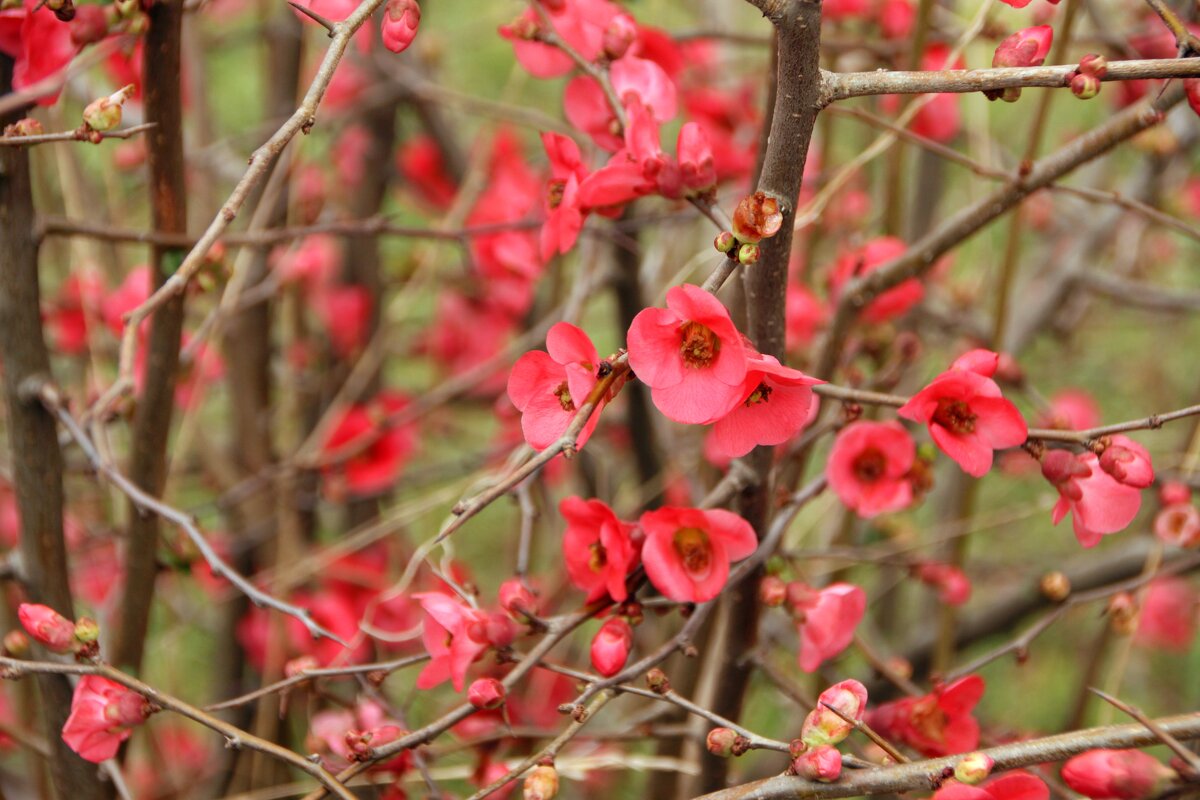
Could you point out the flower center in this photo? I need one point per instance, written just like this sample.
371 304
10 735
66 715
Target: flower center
929 719
759 395
563 393
955 416
698 344
598 557
695 551
870 465
554 193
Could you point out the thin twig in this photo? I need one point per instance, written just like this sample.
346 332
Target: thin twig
77 135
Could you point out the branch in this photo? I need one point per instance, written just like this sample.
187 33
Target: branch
842 85
926 775
77 135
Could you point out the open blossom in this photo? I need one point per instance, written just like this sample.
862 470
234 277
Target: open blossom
1116 774
872 255
938 724
38 42
380 450
610 646
1169 615
775 406
103 714
582 24
344 736
455 637
868 467
548 387
1097 502
966 414
1178 524
564 214
826 619
598 548
691 356
687 551
1018 785
635 81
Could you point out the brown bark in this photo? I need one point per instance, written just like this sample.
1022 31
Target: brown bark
152 419
37 460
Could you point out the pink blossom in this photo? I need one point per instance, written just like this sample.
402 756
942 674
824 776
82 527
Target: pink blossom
866 259
938 724
47 626
1071 409
454 636
1018 785
598 548
611 645
1025 48
346 735
690 355
549 387
805 315
103 714
564 215
486 693
1178 524
379 450
399 26
868 467
896 18
1127 462
39 44
1172 492
345 313
132 292
1097 502
826 620
967 417
774 407
582 24
822 763
697 166
421 163
78 303
635 81
313 264
516 598
1169 614
687 551
952 585
1116 775
466 333
940 118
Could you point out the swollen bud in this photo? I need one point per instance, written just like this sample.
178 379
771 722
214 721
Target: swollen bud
486 693
618 36
772 591
1093 64
747 254
541 783
822 763
517 600
1122 613
720 741
54 631
824 725
16 644
27 126
1085 87
725 242
657 680
756 218
399 26
973 768
1055 586
104 114
610 647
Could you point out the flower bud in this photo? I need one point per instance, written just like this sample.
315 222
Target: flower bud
27 126
725 242
399 26
952 584
757 217
499 630
486 693
973 768
658 682
299 665
104 114
541 783
772 591
1127 462
89 26
1178 524
1061 467
618 36
1085 87
747 254
823 725
822 763
1055 586
517 600
720 741
1093 64
1122 613
53 630
1116 774
1172 492
610 646
1025 48
16 644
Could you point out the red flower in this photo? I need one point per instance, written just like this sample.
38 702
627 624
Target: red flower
377 466
1097 502
580 23
967 416
564 214
805 314
549 387
344 735
47 626
687 551
39 44
314 264
1127 462
1072 410
872 255
1169 613
868 467
597 547
938 724
826 619
775 406
952 585
420 162
610 646
345 313
940 119
1013 786
1178 524
690 355
634 80
455 636
103 714
1116 775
